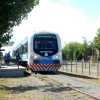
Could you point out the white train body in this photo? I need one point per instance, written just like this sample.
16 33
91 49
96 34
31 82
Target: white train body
43 52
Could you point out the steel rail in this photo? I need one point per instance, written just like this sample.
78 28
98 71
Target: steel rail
49 80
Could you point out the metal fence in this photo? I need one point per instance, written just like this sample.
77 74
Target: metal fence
89 68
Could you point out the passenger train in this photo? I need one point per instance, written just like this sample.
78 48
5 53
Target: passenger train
40 52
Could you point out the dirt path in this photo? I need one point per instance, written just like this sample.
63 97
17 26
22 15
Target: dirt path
32 88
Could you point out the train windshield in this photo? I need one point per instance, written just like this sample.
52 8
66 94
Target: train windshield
45 44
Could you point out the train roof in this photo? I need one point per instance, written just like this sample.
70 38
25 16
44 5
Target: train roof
43 32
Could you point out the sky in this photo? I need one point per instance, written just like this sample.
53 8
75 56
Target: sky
73 20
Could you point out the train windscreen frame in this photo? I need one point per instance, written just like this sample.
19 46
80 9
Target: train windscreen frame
45 44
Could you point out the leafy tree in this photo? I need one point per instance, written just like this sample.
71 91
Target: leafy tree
80 51
97 41
87 50
65 52
75 50
72 50
92 51
11 14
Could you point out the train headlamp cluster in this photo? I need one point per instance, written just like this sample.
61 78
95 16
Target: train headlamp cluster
35 56
55 57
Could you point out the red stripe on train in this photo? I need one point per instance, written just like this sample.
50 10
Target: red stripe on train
44 67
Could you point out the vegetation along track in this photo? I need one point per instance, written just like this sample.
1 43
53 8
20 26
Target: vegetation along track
66 82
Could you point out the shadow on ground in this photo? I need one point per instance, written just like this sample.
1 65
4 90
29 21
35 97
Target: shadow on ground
46 73
43 88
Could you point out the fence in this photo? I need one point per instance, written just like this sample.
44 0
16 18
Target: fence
88 68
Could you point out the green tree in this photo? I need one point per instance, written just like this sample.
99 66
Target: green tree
11 14
80 51
73 50
65 52
86 48
77 51
97 40
92 50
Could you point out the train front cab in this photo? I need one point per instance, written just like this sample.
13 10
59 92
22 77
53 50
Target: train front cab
45 54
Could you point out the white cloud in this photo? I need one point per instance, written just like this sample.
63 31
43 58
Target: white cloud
69 22
97 23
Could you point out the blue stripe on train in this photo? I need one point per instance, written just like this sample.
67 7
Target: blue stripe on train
46 61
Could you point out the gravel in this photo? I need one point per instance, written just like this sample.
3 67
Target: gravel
32 88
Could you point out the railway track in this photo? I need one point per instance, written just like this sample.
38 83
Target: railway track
63 81
86 93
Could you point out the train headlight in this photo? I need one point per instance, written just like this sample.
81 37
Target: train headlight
35 56
56 57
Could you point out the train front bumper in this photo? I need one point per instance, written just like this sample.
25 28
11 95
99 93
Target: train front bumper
50 65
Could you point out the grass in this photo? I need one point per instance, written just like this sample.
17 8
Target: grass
7 84
3 91
3 94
